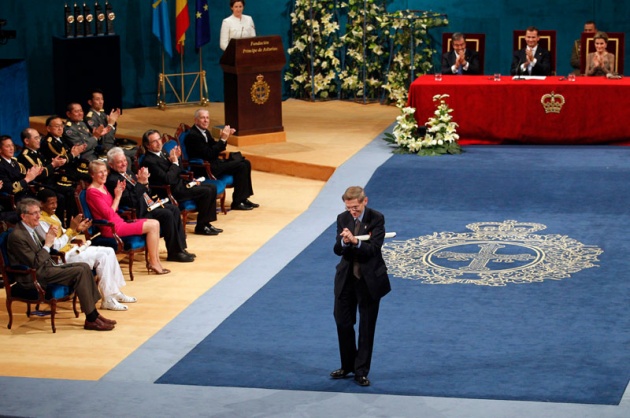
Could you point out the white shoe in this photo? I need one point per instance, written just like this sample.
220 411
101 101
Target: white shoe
121 297
113 305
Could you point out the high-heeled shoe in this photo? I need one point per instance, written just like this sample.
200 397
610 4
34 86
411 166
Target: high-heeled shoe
150 269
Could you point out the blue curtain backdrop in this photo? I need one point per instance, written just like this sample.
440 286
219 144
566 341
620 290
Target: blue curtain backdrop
37 21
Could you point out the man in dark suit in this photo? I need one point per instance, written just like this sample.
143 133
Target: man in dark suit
200 144
135 196
25 247
360 282
165 170
533 59
460 60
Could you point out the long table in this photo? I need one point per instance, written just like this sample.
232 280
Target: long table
488 111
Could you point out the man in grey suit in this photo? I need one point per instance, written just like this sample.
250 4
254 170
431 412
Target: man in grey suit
360 282
25 247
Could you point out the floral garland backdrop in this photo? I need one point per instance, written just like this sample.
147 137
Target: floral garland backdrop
370 64
314 62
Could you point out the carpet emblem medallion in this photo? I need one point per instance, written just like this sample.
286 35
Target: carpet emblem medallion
493 254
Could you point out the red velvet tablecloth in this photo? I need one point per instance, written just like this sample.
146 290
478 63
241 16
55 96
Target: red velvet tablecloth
594 111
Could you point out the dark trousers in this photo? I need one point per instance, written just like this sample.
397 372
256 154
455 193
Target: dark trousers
242 173
355 295
171 228
205 197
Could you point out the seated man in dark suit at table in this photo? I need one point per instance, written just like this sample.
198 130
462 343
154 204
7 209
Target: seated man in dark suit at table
589 27
533 59
460 60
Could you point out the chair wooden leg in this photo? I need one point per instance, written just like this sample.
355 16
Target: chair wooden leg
74 306
223 204
10 313
53 311
130 255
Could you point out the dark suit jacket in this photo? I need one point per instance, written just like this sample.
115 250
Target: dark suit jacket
543 62
164 172
472 57
197 147
371 263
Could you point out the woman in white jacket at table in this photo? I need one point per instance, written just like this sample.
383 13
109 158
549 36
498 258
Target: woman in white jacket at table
236 26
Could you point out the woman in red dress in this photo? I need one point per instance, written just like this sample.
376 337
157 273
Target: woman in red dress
103 206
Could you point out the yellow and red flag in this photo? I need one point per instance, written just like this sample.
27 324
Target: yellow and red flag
182 22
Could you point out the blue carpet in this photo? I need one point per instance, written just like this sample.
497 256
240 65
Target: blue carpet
557 340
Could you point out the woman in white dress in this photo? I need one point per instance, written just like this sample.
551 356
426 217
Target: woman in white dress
236 26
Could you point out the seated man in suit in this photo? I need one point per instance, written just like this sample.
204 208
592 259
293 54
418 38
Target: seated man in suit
201 145
165 170
533 59
460 60
25 247
135 196
14 176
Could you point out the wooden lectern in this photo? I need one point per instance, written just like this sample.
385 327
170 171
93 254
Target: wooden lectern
252 87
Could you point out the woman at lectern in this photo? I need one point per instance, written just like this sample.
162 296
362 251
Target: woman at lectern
600 62
236 26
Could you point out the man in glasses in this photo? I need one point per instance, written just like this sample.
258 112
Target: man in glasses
360 283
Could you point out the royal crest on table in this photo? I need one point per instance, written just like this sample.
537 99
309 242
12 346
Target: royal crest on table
552 103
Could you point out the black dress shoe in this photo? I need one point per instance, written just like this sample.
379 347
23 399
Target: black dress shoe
250 203
180 258
362 380
215 229
205 231
190 254
339 374
241 206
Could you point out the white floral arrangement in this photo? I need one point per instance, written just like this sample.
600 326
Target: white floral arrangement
440 136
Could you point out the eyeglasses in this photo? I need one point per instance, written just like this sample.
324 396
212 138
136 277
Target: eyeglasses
353 208
36 212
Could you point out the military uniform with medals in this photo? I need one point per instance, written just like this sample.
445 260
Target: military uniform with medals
77 133
94 119
52 178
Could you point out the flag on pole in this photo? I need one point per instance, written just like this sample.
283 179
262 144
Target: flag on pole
182 22
162 25
202 24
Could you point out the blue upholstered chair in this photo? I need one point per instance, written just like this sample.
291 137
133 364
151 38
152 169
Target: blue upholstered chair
51 295
129 245
221 183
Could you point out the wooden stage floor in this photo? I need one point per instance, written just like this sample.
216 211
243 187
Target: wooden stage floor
288 176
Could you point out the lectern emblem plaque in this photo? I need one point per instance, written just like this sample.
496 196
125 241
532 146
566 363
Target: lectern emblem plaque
260 90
